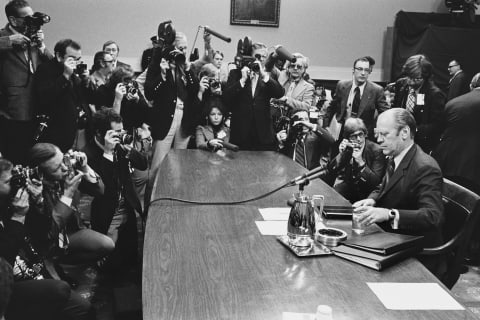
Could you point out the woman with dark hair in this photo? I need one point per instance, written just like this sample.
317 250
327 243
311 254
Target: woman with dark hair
212 135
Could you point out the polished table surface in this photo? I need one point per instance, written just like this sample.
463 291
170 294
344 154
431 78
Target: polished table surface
211 262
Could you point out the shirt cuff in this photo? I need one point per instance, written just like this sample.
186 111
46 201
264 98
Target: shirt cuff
395 220
242 82
91 176
20 219
266 78
108 156
66 200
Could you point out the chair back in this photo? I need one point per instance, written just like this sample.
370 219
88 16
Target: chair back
461 215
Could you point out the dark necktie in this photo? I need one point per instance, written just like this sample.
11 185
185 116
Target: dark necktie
390 170
356 102
300 152
180 84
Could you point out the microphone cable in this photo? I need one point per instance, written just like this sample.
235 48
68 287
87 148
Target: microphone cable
217 203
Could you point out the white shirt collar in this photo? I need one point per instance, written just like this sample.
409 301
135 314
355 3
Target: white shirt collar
399 157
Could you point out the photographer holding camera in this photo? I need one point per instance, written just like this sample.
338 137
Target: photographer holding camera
58 233
248 93
360 165
113 212
61 87
20 55
306 143
39 298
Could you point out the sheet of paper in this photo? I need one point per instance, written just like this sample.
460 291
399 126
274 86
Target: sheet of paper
414 296
275 213
297 316
272 228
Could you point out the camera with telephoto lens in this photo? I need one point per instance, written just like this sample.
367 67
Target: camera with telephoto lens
244 57
124 137
34 23
20 176
131 87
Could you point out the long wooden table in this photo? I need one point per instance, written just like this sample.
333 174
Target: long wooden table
211 262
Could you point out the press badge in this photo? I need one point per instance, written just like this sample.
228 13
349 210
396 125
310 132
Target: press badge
420 99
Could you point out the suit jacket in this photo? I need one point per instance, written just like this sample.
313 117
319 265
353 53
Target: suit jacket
16 79
164 96
458 152
415 190
302 95
251 114
12 238
205 134
62 100
428 116
117 178
317 146
459 84
372 99
353 183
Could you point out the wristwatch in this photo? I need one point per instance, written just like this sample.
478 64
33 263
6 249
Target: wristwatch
391 214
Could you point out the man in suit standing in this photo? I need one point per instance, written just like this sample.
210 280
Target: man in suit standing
418 94
248 93
307 144
458 83
357 98
112 48
19 58
360 164
409 199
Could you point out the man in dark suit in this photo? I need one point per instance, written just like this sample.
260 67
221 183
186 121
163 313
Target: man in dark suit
360 165
307 144
113 212
458 152
359 98
19 58
409 199
458 83
61 93
248 94
419 95
112 48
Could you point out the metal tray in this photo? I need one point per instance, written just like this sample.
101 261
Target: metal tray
317 249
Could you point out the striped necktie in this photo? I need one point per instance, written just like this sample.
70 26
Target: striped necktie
411 100
390 170
300 152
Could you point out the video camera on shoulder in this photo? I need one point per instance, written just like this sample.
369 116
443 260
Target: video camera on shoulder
244 56
34 23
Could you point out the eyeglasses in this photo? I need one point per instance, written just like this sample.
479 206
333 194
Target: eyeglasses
453 65
108 61
296 66
356 135
366 70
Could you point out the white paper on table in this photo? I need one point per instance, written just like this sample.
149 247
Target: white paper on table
275 213
272 228
297 316
414 296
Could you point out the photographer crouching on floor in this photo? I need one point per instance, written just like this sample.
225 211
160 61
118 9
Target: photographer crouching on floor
360 164
305 142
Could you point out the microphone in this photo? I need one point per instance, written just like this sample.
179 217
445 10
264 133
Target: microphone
311 177
216 34
283 54
307 174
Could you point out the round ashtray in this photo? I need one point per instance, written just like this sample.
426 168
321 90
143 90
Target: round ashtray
331 236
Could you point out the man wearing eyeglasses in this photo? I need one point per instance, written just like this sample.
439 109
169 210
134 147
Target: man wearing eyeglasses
458 83
360 164
418 94
19 58
357 98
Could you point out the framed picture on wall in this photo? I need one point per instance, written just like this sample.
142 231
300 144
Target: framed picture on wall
265 13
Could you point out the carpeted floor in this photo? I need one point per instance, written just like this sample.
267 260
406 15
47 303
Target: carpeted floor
467 290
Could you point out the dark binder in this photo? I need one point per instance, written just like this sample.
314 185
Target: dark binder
384 242
338 212
374 261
